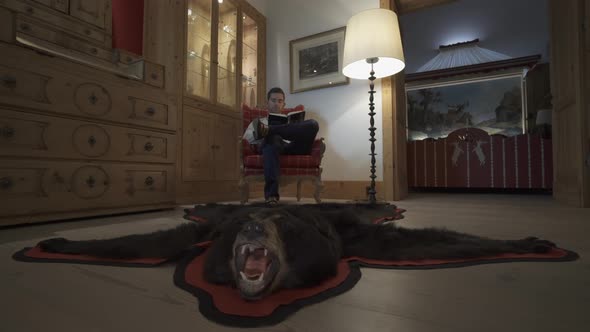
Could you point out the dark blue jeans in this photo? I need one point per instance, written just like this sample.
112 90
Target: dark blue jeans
301 135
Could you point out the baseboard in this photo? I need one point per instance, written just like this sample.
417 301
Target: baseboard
353 190
223 191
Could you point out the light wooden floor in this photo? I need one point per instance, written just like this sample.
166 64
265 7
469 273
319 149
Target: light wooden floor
497 297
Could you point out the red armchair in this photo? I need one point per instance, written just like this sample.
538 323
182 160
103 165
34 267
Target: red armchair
294 168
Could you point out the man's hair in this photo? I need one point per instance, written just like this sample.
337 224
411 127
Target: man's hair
275 90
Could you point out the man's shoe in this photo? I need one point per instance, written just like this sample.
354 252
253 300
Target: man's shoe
272 201
260 129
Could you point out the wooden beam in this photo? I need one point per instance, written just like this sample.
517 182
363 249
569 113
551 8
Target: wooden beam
408 6
395 184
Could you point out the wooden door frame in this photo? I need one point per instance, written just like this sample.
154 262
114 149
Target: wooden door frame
395 182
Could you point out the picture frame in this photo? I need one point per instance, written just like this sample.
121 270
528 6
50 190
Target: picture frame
316 61
493 99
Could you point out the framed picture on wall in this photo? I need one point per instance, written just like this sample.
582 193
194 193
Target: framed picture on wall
316 61
491 100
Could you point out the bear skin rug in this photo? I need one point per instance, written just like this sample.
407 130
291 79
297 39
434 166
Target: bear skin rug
261 250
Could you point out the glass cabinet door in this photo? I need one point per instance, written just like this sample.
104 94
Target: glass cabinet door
249 61
227 54
223 59
198 48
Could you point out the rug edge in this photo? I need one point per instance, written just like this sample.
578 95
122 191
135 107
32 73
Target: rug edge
21 256
280 313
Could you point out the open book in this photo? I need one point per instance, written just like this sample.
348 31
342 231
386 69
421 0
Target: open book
278 118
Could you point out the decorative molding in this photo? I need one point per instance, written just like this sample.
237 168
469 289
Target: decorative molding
408 6
527 61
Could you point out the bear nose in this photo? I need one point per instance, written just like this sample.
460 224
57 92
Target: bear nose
253 228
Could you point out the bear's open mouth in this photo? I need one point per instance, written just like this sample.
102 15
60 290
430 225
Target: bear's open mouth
256 268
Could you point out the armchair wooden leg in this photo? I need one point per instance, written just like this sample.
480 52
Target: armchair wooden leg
298 190
244 191
319 186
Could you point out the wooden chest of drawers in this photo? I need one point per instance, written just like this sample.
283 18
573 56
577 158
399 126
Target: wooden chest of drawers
77 141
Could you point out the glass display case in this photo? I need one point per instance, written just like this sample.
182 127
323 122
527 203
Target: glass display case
222 47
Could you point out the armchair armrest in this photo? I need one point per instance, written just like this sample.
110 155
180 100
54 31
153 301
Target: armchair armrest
317 150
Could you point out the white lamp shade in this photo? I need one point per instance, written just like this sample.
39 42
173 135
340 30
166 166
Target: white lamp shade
373 33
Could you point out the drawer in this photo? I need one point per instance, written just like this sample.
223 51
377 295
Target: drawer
46 32
31 135
146 111
31 188
22 84
96 12
61 5
62 21
62 87
153 74
142 181
21 182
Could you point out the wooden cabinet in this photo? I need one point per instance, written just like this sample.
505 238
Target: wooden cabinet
224 68
210 152
79 30
76 140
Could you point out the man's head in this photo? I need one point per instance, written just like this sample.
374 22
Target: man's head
276 100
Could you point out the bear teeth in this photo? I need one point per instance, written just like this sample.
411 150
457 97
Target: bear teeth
247 248
245 277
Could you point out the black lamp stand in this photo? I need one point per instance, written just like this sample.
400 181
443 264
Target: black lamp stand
371 189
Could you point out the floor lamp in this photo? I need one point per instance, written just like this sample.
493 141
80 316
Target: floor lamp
372 49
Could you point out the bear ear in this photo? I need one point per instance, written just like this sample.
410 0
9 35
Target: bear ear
225 226
287 227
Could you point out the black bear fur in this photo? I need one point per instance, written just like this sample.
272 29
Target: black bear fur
260 250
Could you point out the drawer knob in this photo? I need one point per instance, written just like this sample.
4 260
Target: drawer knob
93 50
149 181
93 99
87 31
91 140
6 183
91 182
30 10
148 146
150 111
8 81
25 27
8 132
154 76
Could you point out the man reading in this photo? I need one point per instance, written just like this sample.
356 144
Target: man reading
274 140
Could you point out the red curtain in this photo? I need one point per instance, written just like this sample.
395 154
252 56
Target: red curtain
128 25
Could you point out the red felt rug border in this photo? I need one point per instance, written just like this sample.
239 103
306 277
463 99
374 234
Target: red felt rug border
35 254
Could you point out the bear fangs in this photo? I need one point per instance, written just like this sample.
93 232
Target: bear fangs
251 247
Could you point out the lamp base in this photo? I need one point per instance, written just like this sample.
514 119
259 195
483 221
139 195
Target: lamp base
368 202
